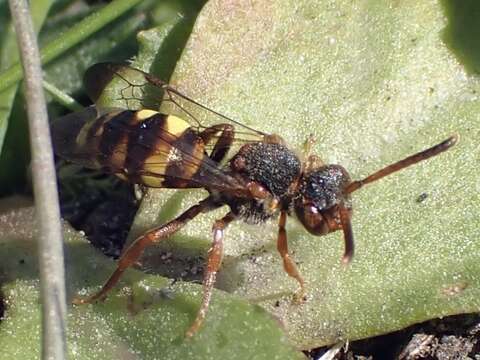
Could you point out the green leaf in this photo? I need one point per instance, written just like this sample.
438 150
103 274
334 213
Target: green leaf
148 321
14 144
64 71
70 38
149 316
462 33
374 83
9 55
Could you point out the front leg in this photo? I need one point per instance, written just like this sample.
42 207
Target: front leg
135 250
288 264
215 256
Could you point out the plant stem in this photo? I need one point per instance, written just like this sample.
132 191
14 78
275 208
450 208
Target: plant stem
61 97
47 211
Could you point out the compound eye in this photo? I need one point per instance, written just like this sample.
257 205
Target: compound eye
311 218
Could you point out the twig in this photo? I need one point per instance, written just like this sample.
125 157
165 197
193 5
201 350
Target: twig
52 274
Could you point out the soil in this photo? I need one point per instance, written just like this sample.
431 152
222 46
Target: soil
453 337
101 206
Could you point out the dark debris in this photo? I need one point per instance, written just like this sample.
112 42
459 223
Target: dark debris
451 338
101 206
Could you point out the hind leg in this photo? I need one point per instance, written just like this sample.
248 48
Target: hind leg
131 255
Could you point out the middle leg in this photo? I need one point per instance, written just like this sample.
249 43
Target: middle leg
215 256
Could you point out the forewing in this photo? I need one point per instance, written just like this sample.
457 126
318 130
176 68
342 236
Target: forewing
132 88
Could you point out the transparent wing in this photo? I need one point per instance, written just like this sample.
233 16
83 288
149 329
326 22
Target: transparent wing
132 88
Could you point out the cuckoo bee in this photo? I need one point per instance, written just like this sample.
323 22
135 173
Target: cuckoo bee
187 145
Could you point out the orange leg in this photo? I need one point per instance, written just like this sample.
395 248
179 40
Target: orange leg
288 264
215 256
345 216
133 252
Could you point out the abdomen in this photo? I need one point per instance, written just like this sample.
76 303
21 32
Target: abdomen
145 146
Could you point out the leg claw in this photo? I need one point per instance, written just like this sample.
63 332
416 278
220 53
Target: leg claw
79 301
300 297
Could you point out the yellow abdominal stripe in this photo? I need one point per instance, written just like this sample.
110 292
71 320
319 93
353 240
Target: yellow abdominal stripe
145 114
158 163
151 181
82 137
173 124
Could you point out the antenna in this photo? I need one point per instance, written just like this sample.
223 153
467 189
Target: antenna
399 165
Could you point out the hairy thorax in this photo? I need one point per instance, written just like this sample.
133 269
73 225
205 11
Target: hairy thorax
274 167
